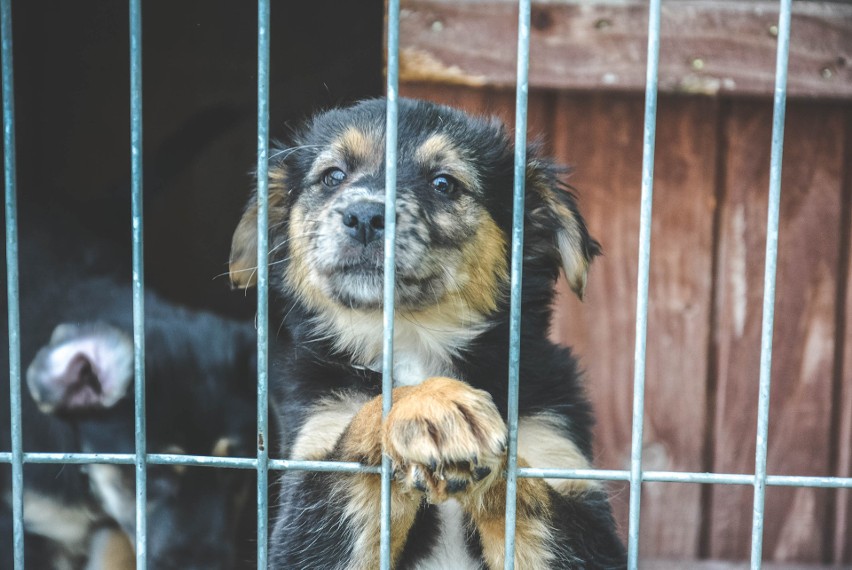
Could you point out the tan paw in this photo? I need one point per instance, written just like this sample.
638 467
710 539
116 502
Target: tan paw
445 438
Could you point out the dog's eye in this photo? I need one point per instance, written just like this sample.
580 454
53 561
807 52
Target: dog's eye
444 184
333 177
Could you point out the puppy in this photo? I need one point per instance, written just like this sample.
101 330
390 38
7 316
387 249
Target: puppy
446 433
77 354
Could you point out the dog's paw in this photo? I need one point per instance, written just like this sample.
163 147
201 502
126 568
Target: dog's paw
445 438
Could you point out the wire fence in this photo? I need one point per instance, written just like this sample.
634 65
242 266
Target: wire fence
636 476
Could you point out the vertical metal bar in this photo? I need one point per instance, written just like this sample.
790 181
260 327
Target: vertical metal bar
138 279
389 269
521 94
777 150
263 30
649 136
12 292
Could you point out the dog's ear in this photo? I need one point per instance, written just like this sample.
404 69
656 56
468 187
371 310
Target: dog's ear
556 229
85 366
242 265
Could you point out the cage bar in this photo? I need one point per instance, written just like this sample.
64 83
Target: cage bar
137 234
521 93
776 155
649 137
14 323
261 463
263 31
389 271
351 467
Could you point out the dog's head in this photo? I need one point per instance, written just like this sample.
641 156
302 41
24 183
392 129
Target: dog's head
197 402
453 226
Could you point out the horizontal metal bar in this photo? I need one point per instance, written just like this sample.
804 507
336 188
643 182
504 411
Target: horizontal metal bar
349 467
335 466
687 477
190 460
591 474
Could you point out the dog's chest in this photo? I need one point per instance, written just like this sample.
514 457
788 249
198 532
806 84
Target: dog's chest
450 550
422 347
412 369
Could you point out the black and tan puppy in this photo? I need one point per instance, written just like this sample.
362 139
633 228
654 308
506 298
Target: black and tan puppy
446 433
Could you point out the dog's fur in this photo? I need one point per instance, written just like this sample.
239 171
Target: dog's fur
446 432
77 356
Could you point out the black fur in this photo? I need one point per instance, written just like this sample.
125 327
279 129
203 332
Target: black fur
199 371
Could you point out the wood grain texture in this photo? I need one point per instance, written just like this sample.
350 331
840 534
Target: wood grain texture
708 241
842 544
805 324
706 46
603 137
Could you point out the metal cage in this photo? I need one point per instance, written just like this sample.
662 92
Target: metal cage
262 464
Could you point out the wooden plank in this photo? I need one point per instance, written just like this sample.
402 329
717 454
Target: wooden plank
804 335
842 547
602 135
727 565
707 46
491 101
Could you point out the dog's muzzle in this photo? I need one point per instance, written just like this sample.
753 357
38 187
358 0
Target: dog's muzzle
365 221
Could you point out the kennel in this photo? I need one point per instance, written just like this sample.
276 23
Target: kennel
635 475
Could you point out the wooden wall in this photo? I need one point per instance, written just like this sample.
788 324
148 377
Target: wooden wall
706 286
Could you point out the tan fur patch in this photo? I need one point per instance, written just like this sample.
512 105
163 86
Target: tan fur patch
327 420
110 549
222 447
116 497
363 506
484 260
532 531
569 239
363 148
69 525
542 444
361 441
242 266
439 154
176 450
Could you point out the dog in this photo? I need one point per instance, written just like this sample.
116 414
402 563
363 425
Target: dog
77 353
446 433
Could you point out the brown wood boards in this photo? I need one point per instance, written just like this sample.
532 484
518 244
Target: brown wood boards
805 323
706 46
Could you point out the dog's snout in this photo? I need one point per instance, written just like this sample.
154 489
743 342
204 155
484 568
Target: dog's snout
365 221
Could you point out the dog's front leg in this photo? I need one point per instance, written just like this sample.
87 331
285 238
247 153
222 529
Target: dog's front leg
331 520
448 440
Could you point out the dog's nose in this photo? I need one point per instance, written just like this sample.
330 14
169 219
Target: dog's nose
365 221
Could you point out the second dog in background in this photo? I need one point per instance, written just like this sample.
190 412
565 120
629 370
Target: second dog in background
77 351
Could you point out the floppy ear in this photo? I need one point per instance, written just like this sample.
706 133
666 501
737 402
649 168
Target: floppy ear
242 265
557 229
86 366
